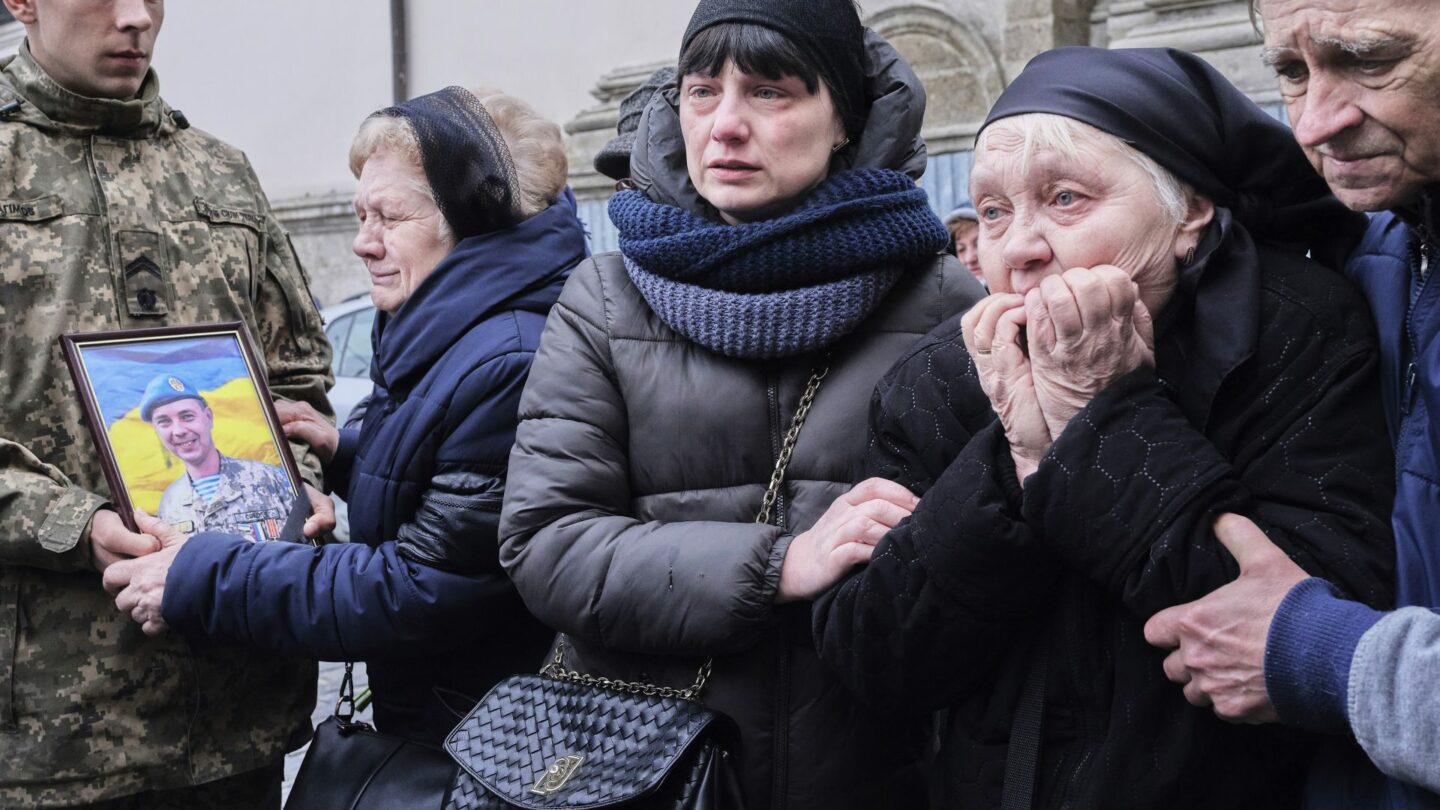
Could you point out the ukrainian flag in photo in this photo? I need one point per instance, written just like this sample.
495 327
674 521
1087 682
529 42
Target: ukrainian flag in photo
216 368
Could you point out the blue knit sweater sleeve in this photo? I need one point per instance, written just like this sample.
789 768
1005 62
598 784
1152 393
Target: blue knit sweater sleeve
345 601
1308 654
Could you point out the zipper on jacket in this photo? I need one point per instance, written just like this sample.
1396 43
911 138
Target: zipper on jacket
772 393
1422 285
121 310
780 742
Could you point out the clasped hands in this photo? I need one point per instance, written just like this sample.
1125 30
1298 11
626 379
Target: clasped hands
134 565
1041 357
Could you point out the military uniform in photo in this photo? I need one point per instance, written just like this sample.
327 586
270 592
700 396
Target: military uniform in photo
252 499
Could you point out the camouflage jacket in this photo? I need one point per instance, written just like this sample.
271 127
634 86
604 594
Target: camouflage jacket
249 493
112 215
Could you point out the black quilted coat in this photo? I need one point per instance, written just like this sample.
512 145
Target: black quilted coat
639 466
1264 402
629 521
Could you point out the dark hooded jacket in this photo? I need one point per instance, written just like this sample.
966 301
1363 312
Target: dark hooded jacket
639 467
418 593
1263 401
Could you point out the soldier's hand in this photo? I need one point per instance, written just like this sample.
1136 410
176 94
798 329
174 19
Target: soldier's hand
301 421
322 517
111 542
138 585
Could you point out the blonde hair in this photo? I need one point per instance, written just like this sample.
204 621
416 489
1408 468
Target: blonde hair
1047 132
534 143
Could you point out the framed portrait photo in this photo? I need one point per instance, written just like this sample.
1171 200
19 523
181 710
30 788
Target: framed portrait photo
186 430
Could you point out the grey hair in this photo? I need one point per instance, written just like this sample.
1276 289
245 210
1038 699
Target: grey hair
1047 132
395 135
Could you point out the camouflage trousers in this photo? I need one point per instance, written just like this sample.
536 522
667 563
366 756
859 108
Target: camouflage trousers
253 790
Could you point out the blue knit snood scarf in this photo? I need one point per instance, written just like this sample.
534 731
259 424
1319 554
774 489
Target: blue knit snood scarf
783 286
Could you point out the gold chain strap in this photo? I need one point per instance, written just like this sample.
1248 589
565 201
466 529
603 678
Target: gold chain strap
556 670
787 447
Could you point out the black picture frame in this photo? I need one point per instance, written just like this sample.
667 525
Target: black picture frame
110 367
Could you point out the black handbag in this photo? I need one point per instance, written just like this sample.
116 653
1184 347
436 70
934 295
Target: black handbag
351 766
564 740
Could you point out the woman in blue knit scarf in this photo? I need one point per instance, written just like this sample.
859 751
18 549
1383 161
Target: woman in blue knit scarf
685 474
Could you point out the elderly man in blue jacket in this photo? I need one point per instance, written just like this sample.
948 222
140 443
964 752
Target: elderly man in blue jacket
1361 82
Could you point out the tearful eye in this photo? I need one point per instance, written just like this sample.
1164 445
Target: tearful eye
991 213
1065 198
1291 71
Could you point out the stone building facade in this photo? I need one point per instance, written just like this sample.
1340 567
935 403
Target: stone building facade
964 50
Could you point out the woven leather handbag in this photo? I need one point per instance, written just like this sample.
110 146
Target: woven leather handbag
545 742
564 740
351 766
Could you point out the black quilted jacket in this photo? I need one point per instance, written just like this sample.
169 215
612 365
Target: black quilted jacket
1264 402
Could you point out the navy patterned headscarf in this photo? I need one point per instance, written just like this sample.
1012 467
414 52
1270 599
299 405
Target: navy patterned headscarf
1175 108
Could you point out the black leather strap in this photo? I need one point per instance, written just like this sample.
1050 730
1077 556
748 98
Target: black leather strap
1022 759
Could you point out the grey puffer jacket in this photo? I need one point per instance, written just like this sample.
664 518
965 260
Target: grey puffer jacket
639 466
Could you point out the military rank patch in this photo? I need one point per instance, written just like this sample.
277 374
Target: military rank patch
146 289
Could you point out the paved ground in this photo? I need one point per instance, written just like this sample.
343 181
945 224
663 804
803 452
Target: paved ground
325 694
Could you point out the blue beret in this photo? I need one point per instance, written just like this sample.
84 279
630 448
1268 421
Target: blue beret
165 389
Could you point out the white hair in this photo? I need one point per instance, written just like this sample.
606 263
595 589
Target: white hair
1047 132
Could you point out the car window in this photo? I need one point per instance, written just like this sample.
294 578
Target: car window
336 332
356 351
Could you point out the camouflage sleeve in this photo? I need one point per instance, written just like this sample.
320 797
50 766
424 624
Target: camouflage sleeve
45 518
291 334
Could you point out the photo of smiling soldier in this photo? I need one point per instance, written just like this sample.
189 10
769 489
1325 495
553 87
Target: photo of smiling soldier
216 492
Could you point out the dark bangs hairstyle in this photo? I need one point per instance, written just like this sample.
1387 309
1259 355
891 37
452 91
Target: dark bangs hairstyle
759 51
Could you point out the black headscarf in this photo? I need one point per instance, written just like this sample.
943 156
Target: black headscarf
1175 108
465 159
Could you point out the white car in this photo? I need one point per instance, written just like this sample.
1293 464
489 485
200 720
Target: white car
347 325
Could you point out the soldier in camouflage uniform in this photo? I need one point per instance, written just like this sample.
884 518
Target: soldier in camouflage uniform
114 214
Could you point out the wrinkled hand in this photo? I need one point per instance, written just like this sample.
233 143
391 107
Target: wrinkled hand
111 542
301 421
138 585
1218 641
322 513
993 335
1087 329
842 538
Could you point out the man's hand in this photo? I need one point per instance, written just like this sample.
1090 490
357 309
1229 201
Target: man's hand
1087 329
993 337
1219 640
322 517
138 585
301 421
111 542
842 538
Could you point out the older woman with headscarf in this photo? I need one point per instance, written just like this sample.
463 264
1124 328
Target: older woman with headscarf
1158 350
775 260
468 233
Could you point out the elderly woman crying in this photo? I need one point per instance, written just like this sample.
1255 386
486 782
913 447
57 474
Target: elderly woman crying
1157 350
468 234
